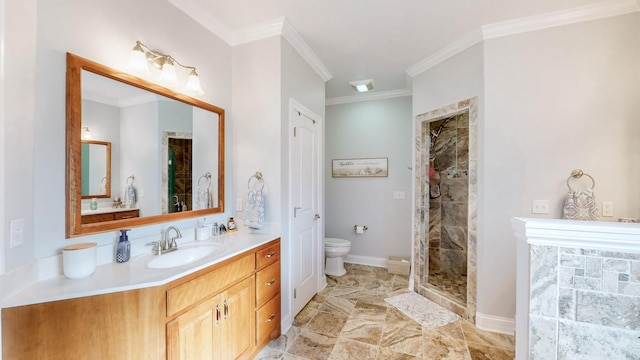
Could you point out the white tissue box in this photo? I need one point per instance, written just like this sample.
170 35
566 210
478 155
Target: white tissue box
398 265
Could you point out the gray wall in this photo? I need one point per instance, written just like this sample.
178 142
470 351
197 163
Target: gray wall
37 35
371 129
267 73
551 101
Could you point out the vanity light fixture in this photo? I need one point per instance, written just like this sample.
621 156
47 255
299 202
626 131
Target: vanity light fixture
142 56
362 85
86 134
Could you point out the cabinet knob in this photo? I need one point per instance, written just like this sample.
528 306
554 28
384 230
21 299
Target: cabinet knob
270 282
270 319
269 255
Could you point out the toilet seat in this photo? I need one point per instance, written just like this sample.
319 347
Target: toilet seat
335 242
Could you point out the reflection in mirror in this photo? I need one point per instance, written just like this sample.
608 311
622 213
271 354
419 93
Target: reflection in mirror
164 139
96 169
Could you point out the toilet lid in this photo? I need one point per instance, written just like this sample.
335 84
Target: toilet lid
336 242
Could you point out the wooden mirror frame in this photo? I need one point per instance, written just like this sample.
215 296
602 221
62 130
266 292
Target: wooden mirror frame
107 146
74 226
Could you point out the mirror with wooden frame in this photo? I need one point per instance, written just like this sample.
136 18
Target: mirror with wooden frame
96 169
159 144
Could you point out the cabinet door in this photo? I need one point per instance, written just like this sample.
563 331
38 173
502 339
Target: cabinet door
239 317
196 333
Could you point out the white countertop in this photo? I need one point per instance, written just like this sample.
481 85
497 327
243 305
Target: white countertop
134 274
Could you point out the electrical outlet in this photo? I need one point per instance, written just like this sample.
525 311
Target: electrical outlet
607 208
398 195
239 204
16 233
540 207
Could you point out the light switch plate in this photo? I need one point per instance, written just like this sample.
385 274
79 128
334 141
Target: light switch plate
398 195
540 207
239 204
607 208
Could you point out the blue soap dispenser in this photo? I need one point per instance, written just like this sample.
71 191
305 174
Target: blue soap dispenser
123 249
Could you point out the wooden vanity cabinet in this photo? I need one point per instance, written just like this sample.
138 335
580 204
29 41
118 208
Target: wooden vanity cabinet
109 216
267 294
229 310
218 328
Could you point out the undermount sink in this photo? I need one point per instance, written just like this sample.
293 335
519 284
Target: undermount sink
184 256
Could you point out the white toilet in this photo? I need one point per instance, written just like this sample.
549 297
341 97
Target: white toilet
334 251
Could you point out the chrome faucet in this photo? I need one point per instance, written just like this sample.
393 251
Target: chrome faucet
170 243
166 244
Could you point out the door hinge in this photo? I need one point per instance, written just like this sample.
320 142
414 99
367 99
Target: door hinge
294 131
294 293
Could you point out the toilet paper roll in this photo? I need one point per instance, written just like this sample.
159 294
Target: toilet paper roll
359 229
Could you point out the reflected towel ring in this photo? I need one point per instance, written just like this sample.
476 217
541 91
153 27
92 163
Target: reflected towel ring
259 179
578 173
206 176
132 178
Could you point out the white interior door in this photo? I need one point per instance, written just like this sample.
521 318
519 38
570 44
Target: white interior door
305 198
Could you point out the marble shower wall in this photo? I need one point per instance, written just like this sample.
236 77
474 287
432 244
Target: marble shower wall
583 304
448 213
420 264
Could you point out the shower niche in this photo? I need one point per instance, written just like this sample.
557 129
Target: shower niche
446 206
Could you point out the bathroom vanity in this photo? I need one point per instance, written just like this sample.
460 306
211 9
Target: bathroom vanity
224 308
95 216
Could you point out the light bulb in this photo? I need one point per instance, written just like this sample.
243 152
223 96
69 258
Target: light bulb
138 61
193 84
168 75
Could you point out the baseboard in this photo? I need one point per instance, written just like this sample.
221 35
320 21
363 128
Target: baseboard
285 323
495 324
366 260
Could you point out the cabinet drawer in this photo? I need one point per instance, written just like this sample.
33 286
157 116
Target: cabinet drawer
126 214
207 285
267 283
268 255
268 321
90 219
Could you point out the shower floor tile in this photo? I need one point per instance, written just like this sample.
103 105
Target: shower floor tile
456 286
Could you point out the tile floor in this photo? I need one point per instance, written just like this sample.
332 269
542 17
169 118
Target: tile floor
454 285
350 320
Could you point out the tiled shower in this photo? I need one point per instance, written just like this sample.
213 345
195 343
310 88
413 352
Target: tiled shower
445 227
448 204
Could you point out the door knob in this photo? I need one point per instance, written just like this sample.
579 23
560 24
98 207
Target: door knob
317 217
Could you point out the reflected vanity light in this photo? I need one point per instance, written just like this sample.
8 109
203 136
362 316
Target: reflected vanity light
142 56
86 134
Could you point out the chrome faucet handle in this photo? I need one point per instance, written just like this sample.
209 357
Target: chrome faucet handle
156 247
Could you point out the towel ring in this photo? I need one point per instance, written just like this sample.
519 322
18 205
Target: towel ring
259 179
576 174
206 176
132 178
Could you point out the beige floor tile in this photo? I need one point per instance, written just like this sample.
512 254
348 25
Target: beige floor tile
349 320
347 349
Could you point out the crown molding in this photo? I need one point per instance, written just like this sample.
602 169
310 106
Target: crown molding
301 46
277 27
532 23
382 95
282 27
258 32
454 48
558 18
202 17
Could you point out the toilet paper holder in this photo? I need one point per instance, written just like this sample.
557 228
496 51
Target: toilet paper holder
364 228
